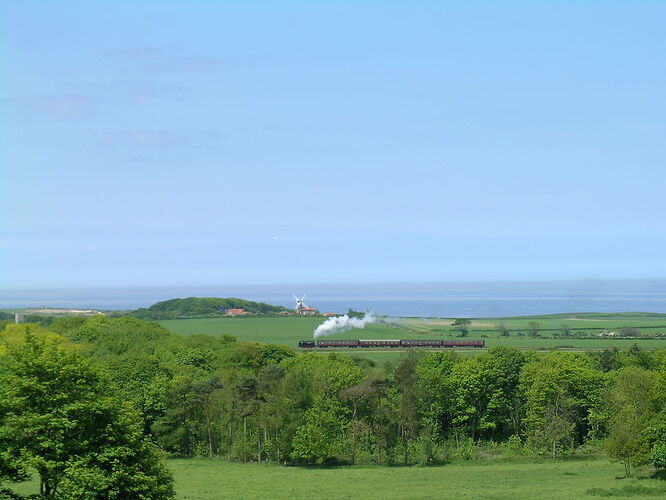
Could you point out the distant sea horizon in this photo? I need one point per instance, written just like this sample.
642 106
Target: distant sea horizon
472 299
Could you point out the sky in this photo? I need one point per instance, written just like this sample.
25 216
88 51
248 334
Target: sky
197 142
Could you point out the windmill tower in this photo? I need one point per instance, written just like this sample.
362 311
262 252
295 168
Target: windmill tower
300 305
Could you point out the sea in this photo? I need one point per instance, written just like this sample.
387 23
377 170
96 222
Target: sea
472 299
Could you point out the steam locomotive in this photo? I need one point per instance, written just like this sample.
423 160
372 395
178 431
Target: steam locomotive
310 344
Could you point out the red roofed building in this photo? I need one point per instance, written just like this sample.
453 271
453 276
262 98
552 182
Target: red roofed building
309 311
236 312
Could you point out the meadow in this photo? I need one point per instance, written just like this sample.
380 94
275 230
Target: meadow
199 479
510 481
289 330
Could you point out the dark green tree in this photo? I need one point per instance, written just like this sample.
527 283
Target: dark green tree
533 328
462 325
608 360
59 416
503 330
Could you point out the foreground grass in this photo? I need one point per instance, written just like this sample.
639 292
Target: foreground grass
215 479
199 479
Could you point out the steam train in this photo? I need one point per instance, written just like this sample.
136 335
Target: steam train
310 344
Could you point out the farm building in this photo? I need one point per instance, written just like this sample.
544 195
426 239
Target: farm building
309 311
236 312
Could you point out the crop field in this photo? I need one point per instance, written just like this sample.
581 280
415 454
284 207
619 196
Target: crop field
216 479
288 331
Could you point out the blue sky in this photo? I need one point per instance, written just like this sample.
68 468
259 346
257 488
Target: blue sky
150 143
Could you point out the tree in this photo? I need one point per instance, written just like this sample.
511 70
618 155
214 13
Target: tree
320 437
406 398
502 367
355 396
434 388
503 330
557 433
470 396
657 436
12 467
355 314
484 400
533 328
462 325
59 416
630 414
608 360
629 331
561 384
658 442
624 439
636 356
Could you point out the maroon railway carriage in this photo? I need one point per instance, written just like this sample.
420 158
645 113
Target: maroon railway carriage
338 343
309 344
421 343
379 343
463 343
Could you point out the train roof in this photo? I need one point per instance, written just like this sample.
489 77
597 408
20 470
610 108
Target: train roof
378 340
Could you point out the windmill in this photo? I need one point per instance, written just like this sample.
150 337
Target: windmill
299 303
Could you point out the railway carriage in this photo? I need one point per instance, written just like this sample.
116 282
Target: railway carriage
433 343
379 343
421 343
337 343
463 343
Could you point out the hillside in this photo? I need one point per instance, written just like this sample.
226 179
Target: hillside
202 307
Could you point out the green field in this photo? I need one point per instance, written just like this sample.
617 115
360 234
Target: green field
288 331
198 479
545 480
275 330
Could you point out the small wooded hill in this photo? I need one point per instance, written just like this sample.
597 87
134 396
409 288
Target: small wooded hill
202 307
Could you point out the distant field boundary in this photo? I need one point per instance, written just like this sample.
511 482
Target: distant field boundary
468 349
572 328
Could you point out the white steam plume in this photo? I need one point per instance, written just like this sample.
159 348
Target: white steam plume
343 323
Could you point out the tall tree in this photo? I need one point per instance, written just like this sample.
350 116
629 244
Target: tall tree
356 397
321 436
59 416
560 381
406 399
631 411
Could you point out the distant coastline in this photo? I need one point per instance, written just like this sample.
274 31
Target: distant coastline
451 299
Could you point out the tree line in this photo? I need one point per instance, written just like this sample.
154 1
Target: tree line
213 396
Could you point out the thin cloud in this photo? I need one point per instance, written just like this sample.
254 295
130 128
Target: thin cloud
94 101
146 93
165 60
160 139
185 65
66 106
137 52
102 139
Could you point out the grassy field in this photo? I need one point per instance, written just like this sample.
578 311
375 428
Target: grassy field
288 331
198 479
